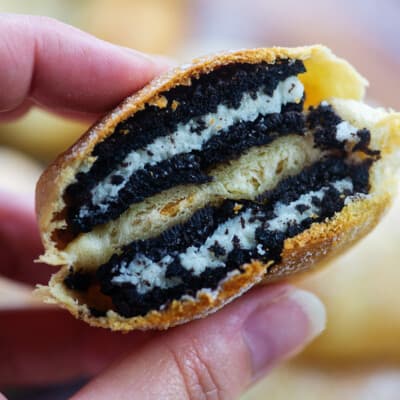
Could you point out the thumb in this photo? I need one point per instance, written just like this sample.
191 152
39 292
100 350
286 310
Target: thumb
217 357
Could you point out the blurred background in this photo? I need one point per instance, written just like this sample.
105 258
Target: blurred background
358 357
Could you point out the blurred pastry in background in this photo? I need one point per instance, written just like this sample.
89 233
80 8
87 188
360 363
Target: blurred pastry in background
64 10
362 298
40 134
154 26
362 31
18 174
294 382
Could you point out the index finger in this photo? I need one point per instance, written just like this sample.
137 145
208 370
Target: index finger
65 69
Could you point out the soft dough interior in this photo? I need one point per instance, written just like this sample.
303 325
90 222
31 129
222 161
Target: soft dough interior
181 211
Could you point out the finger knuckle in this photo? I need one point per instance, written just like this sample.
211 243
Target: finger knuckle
200 380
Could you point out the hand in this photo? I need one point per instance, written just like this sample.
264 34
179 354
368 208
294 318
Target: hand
60 68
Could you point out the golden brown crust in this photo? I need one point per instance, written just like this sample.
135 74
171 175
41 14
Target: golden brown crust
299 254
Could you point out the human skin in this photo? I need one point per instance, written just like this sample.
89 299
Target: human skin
60 68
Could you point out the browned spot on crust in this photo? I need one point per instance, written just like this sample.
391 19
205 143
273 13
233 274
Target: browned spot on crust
237 208
171 208
174 105
159 101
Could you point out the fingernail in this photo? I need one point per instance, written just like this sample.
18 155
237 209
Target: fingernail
281 328
163 62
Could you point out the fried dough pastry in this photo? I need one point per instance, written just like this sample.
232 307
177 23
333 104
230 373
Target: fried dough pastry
239 168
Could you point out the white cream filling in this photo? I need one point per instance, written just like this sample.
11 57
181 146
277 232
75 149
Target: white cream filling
146 274
346 132
184 140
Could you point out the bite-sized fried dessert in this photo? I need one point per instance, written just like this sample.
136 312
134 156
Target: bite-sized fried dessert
242 167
